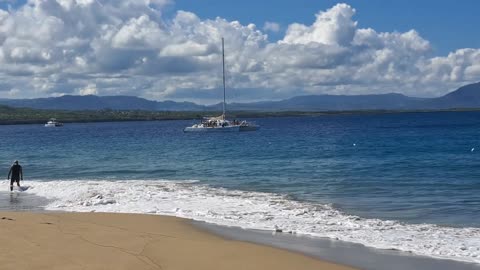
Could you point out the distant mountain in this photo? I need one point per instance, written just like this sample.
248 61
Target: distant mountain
91 102
334 103
465 97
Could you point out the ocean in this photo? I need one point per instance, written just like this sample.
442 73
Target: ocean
403 181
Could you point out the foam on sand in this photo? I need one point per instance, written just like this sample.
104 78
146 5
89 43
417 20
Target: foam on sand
256 210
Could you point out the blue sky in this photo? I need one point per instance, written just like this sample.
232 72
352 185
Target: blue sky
170 49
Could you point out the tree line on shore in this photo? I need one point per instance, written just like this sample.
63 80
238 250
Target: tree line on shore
10 115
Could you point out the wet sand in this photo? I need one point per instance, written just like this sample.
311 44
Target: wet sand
336 251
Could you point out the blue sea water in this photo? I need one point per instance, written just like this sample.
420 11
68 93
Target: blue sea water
412 168
415 167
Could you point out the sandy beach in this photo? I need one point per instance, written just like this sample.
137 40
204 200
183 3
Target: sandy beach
130 241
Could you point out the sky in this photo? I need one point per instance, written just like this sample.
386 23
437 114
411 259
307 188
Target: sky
171 50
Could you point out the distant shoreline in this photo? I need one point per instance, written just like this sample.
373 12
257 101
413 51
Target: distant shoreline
24 116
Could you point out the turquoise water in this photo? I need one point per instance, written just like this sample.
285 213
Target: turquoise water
411 167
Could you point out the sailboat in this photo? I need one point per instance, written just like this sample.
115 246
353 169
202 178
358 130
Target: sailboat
220 123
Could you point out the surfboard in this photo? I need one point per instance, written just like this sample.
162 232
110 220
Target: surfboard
21 188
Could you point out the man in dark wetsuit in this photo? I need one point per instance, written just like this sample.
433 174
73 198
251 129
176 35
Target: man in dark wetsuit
16 173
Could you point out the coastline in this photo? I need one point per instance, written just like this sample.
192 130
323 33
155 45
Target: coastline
250 210
25 116
61 240
337 251
76 240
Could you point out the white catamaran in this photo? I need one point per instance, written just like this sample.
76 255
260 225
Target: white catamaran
220 123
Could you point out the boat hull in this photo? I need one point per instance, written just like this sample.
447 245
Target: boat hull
212 129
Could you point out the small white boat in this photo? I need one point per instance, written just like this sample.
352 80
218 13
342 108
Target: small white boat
220 123
248 126
53 123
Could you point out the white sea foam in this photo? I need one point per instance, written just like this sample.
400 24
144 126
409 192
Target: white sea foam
257 210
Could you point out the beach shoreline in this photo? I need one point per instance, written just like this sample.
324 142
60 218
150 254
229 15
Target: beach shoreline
337 251
66 240
330 249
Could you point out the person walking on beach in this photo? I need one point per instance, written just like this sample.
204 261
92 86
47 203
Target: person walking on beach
16 174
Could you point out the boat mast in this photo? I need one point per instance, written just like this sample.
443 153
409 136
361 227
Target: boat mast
223 69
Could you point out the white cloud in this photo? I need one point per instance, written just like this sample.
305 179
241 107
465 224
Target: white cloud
334 27
138 33
90 89
271 26
109 47
188 48
13 92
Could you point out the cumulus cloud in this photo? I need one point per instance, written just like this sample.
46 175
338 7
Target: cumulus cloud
334 26
128 47
271 26
90 89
